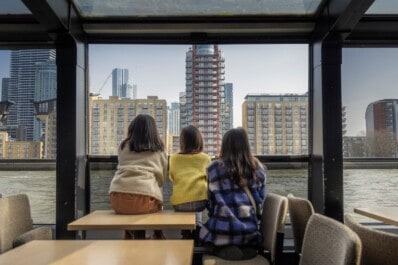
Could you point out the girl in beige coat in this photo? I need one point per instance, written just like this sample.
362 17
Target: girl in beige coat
136 187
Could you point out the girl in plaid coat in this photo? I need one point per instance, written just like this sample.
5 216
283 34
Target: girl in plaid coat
231 231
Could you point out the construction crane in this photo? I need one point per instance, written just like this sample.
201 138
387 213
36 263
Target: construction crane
106 81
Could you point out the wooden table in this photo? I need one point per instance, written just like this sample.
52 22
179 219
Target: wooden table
109 220
388 215
101 252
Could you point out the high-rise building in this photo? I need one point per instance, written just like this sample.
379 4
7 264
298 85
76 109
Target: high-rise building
382 127
21 90
110 119
229 101
276 124
204 89
120 83
173 121
4 88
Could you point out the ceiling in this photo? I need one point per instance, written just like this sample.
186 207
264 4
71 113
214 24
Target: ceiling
355 22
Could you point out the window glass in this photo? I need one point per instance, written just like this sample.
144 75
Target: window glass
13 7
262 88
370 127
28 128
250 88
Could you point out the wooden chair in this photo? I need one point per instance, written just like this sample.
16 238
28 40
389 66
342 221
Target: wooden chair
300 211
378 247
329 242
272 226
16 225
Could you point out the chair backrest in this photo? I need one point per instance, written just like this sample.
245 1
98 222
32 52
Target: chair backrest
15 219
300 211
329 242
378 247
273 222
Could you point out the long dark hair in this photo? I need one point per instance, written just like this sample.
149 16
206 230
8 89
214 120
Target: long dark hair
142 135
191 140
236 156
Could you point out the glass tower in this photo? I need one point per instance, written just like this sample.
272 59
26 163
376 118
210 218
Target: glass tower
21 90
120 83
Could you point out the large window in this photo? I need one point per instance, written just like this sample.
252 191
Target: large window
370 122
28 80
262 88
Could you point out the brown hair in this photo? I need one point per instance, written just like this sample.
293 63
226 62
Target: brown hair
142 135
236 156
191 140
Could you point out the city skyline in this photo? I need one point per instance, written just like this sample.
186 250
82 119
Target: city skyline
246 68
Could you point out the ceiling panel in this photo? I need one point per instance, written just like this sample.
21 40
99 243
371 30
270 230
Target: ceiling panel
156 8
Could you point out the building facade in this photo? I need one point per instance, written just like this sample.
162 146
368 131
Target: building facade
205 99
3 140
276 124
4 88
24 150
45 92
110 118
229 101
120 83
22 87
173 144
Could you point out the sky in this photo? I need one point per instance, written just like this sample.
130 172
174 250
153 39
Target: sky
367 74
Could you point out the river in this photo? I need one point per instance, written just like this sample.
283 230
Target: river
362 187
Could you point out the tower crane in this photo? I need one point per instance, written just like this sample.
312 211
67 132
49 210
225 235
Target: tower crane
103 84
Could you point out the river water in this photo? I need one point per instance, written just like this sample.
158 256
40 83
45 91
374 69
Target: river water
362 187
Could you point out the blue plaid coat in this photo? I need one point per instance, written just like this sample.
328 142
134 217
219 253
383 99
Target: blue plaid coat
232 218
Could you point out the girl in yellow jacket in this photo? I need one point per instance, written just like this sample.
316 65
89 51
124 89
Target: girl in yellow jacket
188 175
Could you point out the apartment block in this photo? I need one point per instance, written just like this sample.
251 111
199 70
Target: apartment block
47 115
276 124
382 127
24 150
110 118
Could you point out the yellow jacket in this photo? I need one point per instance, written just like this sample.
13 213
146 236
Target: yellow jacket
188 175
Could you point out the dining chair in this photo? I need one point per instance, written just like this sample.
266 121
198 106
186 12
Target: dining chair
300 211
16 225
378 247
272 226
329 242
